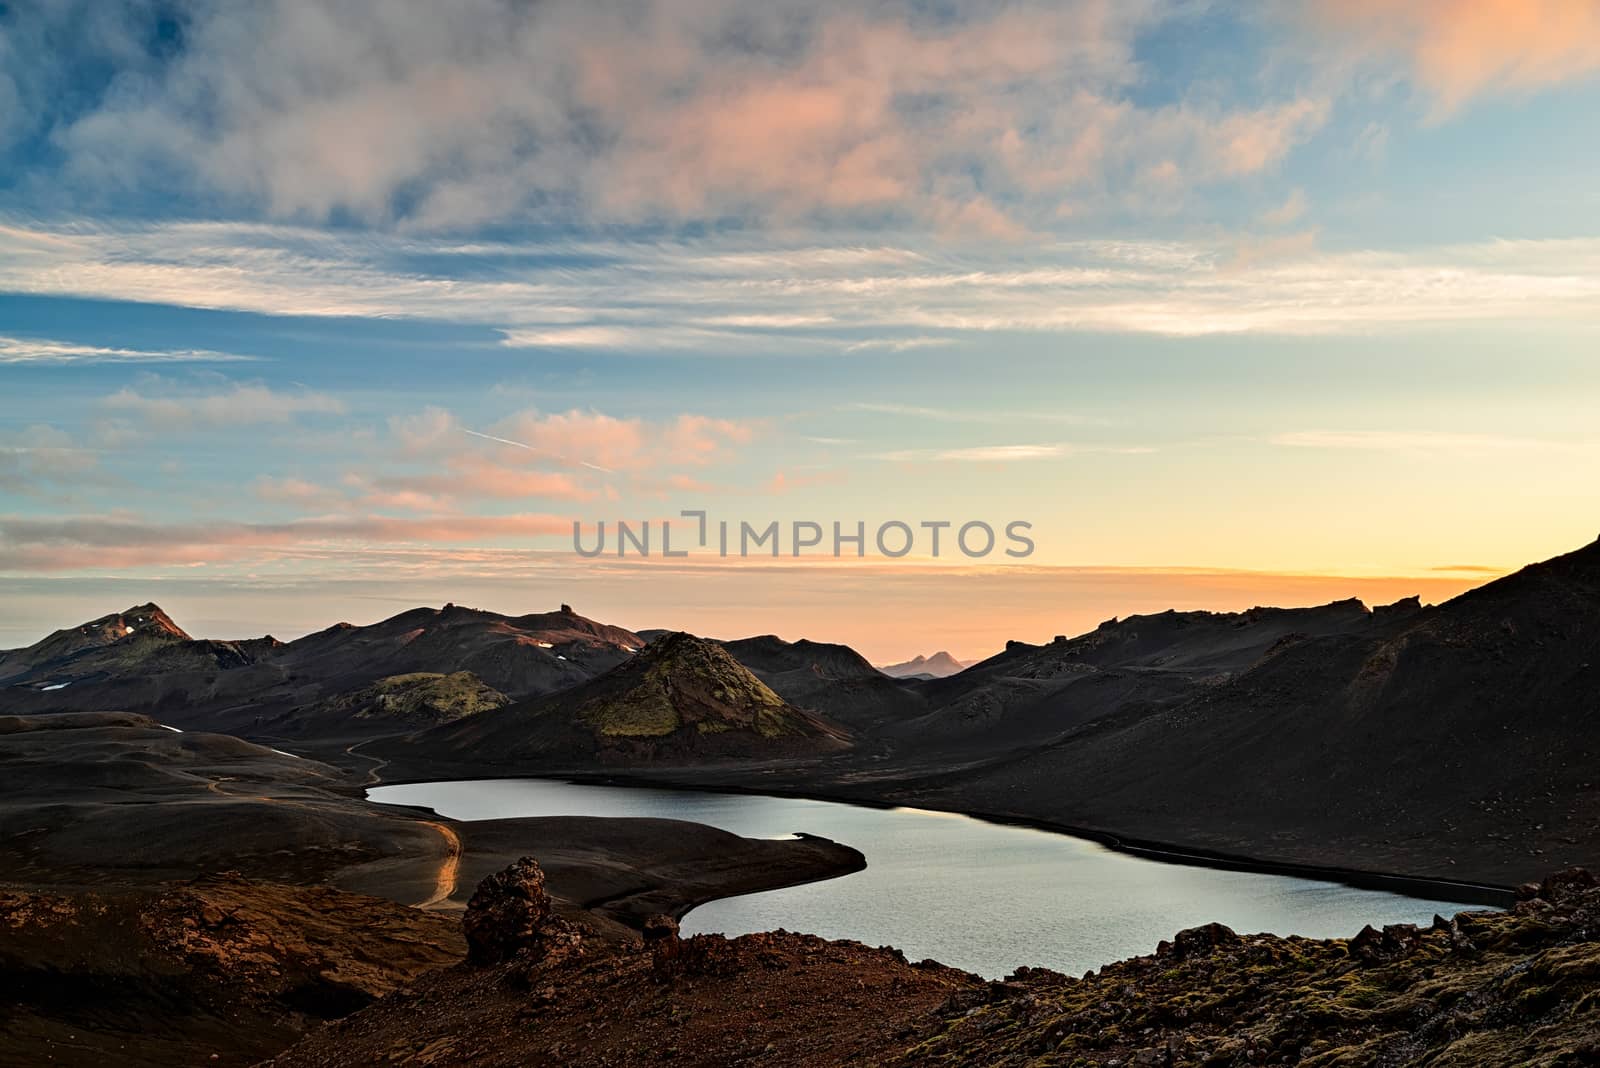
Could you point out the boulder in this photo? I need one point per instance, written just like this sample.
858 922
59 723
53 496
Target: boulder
1378 947
1199 941
509 916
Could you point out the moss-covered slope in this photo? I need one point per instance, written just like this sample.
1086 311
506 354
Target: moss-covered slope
682 698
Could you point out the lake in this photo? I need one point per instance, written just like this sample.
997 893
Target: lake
981 896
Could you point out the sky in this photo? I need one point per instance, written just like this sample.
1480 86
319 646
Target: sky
316 311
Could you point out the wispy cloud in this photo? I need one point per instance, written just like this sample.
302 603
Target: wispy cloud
235 404
691 294
898 344
98 542
47 351
43 455
1007 453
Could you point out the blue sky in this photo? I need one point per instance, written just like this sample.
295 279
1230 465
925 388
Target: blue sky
1234 304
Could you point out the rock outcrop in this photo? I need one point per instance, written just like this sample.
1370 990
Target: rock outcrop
510 917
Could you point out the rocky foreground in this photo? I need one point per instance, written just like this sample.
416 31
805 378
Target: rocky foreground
223 970
1485 988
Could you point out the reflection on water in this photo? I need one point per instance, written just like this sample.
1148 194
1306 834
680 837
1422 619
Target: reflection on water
976 895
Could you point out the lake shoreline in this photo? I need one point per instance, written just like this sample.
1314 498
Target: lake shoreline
1425 887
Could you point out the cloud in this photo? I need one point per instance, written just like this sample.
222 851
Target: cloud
474 478
966 118
107 542
1459 49
595 439
234 405
898 344
41 350
1287 212
670 294
42 455
297 491
978 454
431 430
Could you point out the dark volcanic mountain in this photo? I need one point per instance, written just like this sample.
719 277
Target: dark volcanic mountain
140 661
143 628
938 666
828 677
1030 696
681 700
1462 740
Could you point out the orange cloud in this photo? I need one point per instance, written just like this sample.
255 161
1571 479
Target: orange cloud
1460 48
599 440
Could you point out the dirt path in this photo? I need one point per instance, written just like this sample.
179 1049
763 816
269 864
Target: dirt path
449 870
378 763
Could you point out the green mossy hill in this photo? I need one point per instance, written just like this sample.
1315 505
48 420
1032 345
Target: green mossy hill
1484 989
680 681
422 697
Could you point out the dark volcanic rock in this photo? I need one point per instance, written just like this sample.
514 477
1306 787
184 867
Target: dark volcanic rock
1391 943
506 913
1198 941
510 916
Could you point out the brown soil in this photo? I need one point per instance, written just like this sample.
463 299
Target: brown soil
216 971
774 999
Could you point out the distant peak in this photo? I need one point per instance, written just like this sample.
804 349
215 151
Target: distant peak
940 664
150 619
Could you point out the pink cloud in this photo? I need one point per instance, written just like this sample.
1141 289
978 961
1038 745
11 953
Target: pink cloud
115 542
981 122
1461 48
595 439
471 478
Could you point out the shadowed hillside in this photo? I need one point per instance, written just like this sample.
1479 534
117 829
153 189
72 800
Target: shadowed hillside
316 685
682 699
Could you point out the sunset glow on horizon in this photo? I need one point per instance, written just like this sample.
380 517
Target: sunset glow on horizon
316 311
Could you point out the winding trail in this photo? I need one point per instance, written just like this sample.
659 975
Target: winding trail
378 763
449 870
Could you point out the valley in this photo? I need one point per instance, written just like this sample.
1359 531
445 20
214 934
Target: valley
1435 752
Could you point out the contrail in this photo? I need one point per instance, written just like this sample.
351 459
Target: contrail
530 448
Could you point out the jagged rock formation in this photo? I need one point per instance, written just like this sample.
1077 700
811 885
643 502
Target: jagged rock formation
510 916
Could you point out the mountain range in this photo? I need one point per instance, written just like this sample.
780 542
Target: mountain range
1454 742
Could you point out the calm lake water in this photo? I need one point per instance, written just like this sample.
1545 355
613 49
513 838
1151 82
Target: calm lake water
976 895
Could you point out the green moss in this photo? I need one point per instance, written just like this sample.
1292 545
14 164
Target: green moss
1526 992
422 697
684 683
